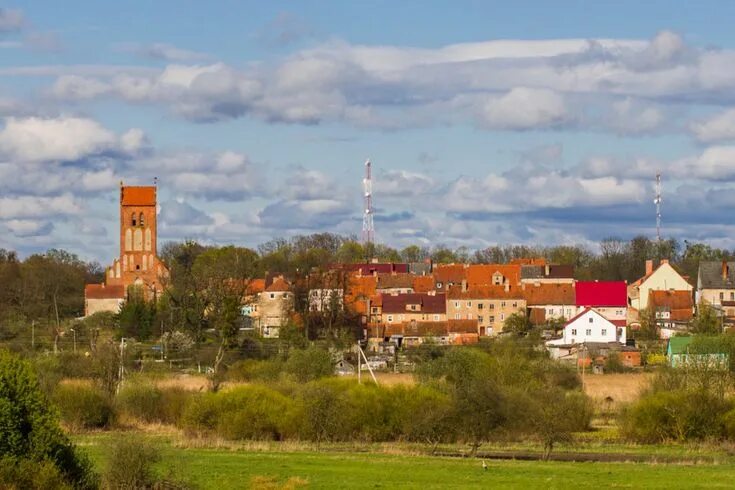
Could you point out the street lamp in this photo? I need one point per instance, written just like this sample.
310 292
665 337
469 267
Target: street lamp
75 339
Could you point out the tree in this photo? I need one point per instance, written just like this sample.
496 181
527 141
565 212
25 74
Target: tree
554 414
29 428
517 323
707 320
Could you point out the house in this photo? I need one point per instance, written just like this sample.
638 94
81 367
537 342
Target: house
590 326
360 294
447 275
608 298
414 333
275 305
419 307
716 283
662 278
369 268
679 355
672 310
100 297
326 299
250 301
493 275
549 301
488 305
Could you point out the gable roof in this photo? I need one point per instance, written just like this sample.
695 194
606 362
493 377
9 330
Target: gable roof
449 273
589 310
101 291
423 284
679 303
138 195
601 293
482 274
279 285
549 294
391 281
711 276
430 303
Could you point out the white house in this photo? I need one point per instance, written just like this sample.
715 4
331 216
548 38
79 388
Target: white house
590 326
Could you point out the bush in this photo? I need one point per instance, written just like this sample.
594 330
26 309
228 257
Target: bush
679 415
255 370
130 463
29 474
29 429
147 403
613 364
83 406
309 364
247 412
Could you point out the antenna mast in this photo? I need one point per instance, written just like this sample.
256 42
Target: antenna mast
368 229
657 202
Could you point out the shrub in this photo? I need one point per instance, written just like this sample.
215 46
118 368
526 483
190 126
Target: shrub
29 430
309 364
130 463
29 474
148 403
255 370
322 412
613 364
83 406
424 414
675 415
247 412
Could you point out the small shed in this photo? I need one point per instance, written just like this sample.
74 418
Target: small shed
679 354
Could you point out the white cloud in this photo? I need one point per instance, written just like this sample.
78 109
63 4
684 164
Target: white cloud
36 139
716 128
28 228
163 51
25 207
524 108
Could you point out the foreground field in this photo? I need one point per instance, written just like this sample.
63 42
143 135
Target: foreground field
228 468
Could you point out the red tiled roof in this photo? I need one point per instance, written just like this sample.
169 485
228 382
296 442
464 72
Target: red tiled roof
391 281
601 293
279 285
424 329
679 303
423 284
549 294
138 195
482 274
430 303
101 291
256 286
381 268
449 273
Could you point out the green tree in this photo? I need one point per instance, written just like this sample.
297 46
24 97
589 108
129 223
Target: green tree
707 321
29 429
518 323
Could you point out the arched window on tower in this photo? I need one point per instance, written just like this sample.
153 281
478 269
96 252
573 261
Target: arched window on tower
141 221
134 220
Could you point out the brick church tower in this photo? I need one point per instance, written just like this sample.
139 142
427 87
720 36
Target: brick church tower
138 264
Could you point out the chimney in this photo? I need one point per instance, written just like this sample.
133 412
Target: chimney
649 266
546 270
664 261
464 285
725 270
507 287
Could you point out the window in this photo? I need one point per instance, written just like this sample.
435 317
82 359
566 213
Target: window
502 317
722 296
390 318
491 306
438 285
479 318
588 331
491 319
436 318
141 221
273 295
134 220
457 316
592 320
480 306
413 307
469 304
574 331
502 304
469 316
732 296
456 304
604 332
515 304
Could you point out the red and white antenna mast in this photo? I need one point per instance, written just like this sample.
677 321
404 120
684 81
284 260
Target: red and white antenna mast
368 228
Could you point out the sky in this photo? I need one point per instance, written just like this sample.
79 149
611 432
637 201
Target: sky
486 122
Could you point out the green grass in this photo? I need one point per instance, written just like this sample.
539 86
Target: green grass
225 468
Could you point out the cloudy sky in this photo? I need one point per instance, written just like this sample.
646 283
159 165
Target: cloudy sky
487 122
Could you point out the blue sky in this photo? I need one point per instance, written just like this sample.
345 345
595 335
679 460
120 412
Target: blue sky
487 122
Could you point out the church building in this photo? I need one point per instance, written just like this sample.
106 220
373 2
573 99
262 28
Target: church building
138 265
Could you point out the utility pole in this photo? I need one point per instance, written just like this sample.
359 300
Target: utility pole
74 332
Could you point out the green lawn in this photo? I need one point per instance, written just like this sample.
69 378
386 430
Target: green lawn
222 469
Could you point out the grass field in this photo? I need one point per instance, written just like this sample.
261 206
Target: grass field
222 468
